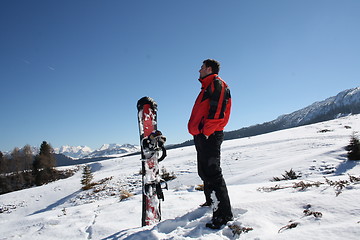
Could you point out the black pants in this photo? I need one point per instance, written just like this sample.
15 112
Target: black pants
209 170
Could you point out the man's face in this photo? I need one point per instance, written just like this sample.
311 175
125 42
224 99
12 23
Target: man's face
204 71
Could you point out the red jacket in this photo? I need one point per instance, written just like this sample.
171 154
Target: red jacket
212 107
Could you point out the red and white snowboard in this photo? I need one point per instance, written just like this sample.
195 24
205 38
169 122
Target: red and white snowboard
152 142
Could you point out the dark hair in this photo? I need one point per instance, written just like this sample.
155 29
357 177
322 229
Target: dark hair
215 65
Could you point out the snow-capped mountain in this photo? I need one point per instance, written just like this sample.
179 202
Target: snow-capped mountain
345 103
74 152
113 149
106 150
80 152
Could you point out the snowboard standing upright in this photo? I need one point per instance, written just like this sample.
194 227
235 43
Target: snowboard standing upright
152 143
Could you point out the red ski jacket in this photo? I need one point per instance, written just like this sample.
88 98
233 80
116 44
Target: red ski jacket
212 107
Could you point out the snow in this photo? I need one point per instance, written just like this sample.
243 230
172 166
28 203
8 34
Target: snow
113 150
74 152
106 150
61 210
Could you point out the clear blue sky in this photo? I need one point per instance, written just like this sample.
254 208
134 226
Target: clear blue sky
72 71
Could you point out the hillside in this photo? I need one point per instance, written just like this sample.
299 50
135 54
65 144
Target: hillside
60 210
344 103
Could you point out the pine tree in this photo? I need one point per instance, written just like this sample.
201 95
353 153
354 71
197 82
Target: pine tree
87 177
45 159
353 148
43 164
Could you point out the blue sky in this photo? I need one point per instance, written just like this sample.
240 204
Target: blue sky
72 71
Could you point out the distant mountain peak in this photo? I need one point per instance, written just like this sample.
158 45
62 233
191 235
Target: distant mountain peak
106 150
74 152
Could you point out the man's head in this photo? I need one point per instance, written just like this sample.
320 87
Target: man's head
210 66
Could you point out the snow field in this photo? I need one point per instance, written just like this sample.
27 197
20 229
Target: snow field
61 210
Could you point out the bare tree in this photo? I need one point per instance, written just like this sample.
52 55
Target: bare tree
28 157
16 161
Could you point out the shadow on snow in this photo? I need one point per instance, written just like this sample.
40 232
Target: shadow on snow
191 225
345 166
189 220
57 203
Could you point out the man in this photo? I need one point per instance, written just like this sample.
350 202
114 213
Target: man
209 116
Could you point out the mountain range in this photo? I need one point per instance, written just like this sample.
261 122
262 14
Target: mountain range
106 150
344 103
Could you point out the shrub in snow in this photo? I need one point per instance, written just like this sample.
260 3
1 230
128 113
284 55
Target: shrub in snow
341 184
166 175
124 194
200 187
338 185
289 226
308 212
324 131
237 229
289 175
353 148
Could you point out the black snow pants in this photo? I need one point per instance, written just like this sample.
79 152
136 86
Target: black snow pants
209 170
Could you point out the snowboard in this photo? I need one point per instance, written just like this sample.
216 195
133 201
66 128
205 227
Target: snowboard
152 145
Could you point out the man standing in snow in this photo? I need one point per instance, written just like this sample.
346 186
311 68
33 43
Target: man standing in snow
209 116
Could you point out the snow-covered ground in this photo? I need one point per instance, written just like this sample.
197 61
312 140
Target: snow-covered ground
61 210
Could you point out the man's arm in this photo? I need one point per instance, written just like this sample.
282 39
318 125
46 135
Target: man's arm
215 116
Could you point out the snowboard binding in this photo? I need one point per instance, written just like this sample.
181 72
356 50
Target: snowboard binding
153 144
